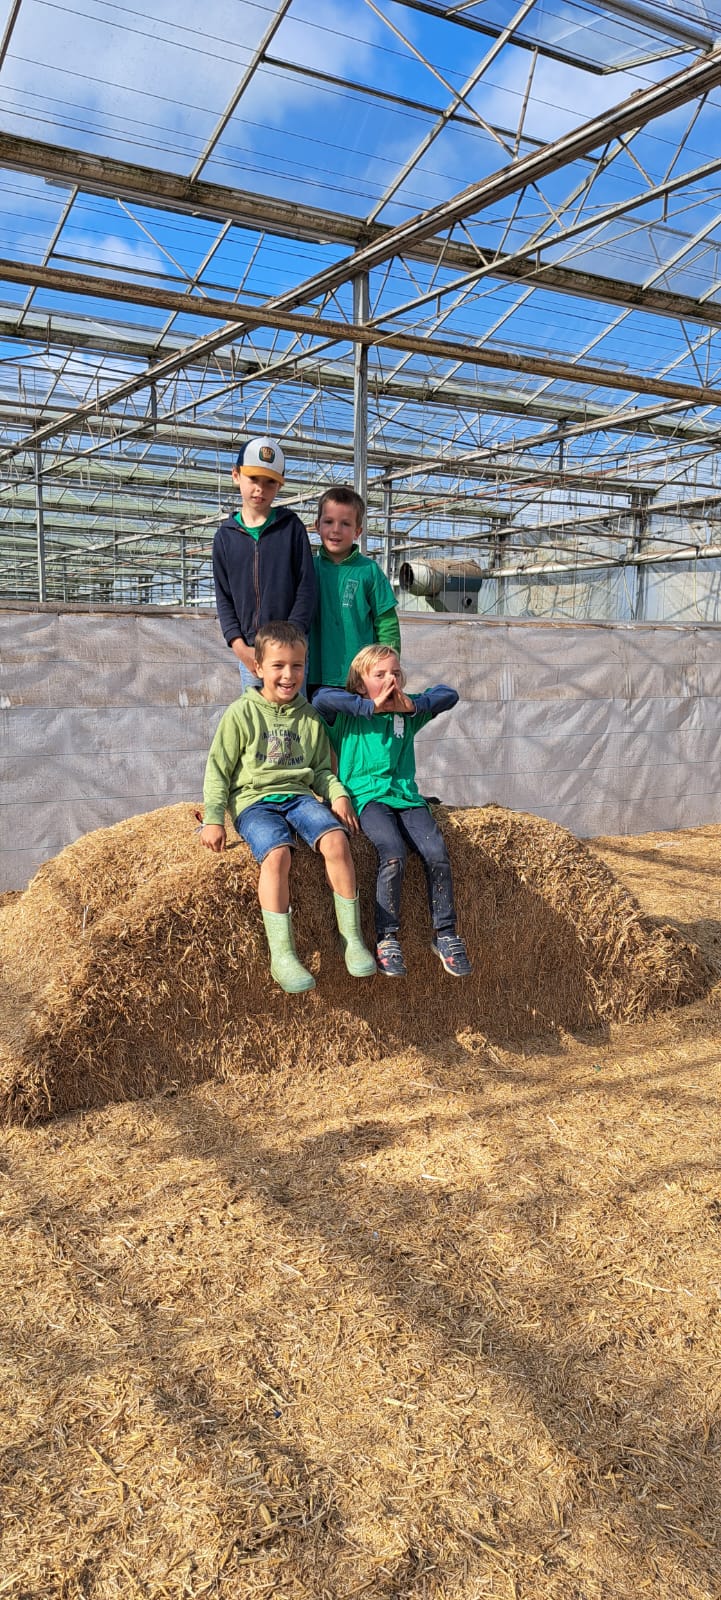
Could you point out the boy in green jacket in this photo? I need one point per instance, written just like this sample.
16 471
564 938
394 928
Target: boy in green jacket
269 760
356 605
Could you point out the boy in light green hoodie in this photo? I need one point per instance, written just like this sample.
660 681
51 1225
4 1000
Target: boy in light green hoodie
269 760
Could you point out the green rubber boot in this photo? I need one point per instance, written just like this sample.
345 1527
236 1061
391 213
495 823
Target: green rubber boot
285 967
358 960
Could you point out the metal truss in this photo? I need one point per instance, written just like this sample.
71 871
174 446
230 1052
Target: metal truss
494 315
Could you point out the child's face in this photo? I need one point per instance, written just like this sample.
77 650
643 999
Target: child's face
338 529
281 672
257 494
387 670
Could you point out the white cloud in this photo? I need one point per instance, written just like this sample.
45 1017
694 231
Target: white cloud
119 253
150 87
561 97
119 70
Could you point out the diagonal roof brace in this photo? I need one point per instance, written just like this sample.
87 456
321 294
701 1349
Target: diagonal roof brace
631 114
627 117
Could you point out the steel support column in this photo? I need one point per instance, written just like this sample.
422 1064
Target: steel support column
361 308
387 528
183 572
40 526
640 518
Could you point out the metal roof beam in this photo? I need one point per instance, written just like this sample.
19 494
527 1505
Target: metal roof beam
491 31
462 396
167 191
170 191
292 321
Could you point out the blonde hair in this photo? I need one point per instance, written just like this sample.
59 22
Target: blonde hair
364 663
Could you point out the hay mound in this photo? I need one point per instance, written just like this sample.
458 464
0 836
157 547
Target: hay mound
136 960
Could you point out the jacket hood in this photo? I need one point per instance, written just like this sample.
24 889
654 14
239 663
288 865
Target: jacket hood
267 707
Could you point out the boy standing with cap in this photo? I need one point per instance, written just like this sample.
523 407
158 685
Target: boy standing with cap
262 560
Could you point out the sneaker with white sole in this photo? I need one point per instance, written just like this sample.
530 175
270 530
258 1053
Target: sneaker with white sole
452 952
389 958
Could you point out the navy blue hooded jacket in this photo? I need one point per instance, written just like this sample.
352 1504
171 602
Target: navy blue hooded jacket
270 579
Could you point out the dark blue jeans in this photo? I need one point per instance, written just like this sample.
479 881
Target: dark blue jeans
393 833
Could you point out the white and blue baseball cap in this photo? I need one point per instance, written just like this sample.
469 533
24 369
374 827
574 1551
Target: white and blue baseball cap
263 458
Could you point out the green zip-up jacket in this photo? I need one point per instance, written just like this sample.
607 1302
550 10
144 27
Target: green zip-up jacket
262 749
376 759
356 606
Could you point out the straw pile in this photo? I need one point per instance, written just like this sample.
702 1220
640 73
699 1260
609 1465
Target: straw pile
136 960
445 1326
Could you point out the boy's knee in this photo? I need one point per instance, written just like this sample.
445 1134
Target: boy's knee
391 868
278 859
334 845
394 860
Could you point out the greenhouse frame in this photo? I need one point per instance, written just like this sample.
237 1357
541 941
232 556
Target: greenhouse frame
462 256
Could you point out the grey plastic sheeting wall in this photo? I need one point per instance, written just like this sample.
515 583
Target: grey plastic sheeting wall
603 728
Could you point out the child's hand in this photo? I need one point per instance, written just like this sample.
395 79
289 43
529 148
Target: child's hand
343 810
245 653
213 836
403 703
386 695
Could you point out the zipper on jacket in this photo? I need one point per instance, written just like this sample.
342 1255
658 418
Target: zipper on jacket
256 576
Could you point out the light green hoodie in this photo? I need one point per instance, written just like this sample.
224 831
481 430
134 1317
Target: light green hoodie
262 749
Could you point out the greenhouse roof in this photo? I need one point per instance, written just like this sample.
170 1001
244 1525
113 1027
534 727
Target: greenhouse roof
463 255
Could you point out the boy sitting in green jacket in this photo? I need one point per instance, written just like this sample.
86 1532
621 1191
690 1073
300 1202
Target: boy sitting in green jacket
356 605
269 760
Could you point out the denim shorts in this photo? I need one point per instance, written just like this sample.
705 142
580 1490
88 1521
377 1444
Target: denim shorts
270 823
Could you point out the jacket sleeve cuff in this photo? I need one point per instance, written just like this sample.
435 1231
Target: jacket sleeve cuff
388 629
432 701
214 815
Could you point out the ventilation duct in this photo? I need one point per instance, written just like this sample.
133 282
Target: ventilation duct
433 578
